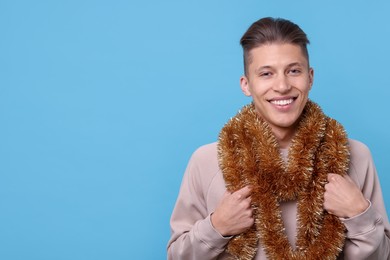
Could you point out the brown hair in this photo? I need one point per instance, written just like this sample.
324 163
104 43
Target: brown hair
272 30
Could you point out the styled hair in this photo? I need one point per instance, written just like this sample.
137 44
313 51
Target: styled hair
272 30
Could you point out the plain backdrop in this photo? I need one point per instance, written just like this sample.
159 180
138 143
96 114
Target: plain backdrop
103 102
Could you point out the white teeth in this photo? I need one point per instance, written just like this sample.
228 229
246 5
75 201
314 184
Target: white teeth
282 102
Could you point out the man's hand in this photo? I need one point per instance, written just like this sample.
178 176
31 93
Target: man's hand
342 197
234 214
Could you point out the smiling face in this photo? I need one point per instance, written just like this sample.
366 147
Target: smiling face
279 80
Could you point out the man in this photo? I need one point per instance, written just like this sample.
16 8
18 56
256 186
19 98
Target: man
283 181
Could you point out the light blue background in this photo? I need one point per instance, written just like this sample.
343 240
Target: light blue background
103 102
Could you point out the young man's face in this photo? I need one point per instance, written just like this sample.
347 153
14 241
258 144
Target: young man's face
278 79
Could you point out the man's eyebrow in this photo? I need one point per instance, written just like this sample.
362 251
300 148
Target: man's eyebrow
261 68
295 64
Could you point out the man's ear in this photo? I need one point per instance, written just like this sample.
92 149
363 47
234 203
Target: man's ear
311 77
245 86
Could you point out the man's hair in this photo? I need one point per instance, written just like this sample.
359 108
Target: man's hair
272 30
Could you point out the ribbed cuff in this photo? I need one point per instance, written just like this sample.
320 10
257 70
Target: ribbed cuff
205 232
362 223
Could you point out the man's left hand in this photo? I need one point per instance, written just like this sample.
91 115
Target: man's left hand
342 197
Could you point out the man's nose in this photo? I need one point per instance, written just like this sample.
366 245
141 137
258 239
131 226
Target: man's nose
282 84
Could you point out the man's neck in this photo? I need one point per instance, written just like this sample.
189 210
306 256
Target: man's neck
284 136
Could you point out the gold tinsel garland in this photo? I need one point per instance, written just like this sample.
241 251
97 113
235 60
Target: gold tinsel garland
249 155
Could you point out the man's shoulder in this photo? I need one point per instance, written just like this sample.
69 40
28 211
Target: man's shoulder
204 162
358 149
360 159
206 152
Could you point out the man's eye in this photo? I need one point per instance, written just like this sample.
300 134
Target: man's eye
265 74
294 71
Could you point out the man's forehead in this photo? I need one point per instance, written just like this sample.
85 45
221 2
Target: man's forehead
270 55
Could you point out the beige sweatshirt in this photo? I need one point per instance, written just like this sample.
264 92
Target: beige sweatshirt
193 236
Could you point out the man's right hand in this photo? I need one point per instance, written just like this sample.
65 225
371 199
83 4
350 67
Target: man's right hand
234 214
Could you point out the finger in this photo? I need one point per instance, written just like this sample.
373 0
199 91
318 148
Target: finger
246 203
331 177
335 178
244 192
249 213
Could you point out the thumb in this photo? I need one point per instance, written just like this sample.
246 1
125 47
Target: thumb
331 176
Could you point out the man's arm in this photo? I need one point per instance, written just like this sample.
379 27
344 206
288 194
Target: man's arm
192 234
357 200
196 229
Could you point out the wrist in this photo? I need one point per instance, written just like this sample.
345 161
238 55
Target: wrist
359 208
216 225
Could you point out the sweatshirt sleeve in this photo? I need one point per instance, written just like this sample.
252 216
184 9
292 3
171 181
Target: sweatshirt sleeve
192 234
368 234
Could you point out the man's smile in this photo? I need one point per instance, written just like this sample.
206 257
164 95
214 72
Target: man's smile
282 102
